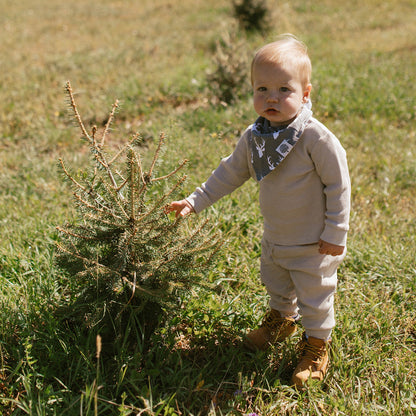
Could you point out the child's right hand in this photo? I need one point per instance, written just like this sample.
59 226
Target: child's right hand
181 208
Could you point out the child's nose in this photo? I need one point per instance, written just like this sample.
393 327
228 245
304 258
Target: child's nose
273 97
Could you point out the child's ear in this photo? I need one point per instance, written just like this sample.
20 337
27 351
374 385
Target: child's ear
307 93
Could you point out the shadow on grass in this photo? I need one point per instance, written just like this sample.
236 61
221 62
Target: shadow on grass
188 366
202 370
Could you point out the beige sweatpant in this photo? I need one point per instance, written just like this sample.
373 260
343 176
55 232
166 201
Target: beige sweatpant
299 279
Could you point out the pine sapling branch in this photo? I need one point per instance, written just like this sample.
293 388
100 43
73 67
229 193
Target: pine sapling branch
99 156
160 201
114 195
102 210
108 124
162 178
75 235
75 110
124 148
101 220
138 161
71 177
93 131
132 196
156 155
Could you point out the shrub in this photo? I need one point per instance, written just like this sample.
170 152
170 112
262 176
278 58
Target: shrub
252 15
230 79
132 261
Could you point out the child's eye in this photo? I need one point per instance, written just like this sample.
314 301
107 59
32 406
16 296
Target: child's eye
284 89
261 89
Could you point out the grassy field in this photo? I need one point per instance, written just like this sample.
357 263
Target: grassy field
154 56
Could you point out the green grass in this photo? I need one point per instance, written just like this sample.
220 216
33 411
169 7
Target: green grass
154 57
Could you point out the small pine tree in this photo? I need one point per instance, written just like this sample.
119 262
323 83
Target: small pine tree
130 259
252 15
229 81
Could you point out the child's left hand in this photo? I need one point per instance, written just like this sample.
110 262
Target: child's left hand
331 249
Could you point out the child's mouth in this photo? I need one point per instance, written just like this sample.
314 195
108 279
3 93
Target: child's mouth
271 111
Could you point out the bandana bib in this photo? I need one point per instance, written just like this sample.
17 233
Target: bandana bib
269 146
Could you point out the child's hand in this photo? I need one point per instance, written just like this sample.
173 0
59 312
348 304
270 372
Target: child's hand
331 249
181 208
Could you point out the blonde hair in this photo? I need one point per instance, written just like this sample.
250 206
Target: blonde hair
287 51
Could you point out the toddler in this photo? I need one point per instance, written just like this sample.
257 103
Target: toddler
302 172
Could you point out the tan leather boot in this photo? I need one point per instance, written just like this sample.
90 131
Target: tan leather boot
273 329
313 361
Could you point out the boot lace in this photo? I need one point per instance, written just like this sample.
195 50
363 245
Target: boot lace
271 321
276 323
311 352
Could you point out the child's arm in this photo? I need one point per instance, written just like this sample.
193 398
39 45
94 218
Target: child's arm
231 173
181 208
330 162
331 249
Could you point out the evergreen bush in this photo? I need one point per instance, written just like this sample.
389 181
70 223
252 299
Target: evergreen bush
131 260
252 15
229 80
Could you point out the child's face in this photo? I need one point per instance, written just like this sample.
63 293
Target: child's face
278 94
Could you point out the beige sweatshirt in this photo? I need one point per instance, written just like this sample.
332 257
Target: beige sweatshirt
307 196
